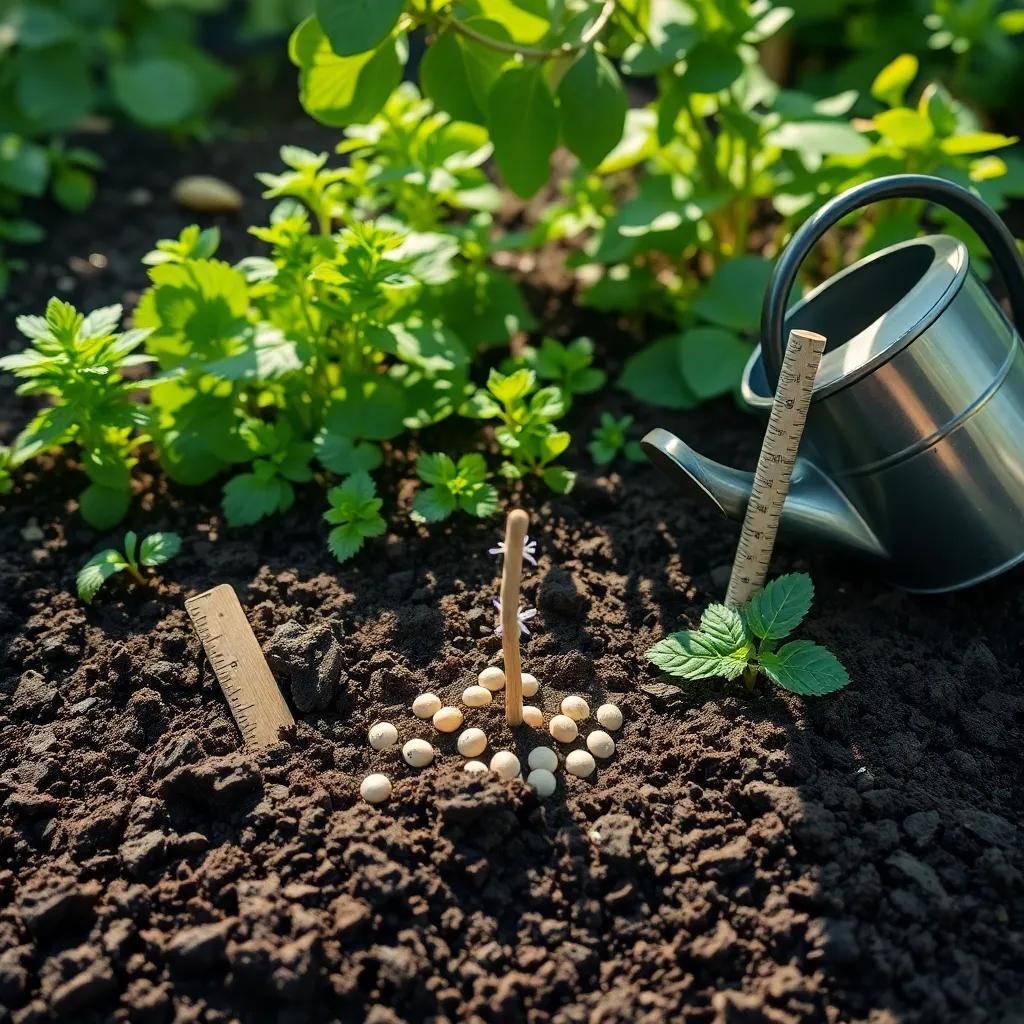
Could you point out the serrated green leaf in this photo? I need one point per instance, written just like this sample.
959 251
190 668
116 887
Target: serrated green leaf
523 124
778 609
592 107
433 504
692 655
355 26
480 500
342 455
248 498
559 479
158 548
435 468
345 541
97 571
804 667
723 626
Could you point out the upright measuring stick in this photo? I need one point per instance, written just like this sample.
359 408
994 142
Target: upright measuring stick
775 465
511 580
241 669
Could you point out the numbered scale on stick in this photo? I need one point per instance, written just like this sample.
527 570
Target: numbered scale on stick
775 465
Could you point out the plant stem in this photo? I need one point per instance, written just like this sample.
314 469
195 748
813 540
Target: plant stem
749 678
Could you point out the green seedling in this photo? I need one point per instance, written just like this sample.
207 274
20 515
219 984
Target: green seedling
611 439
744 642
453 486
567 366
355 515
154 550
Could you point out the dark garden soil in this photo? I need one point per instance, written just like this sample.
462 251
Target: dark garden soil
740 858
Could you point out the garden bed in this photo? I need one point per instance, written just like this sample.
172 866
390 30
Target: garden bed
741 858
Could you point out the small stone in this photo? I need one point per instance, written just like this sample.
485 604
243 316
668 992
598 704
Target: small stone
475 767
447 719
543 757
580 763
476 696
563 728
418 753
426 705
576 708
493 678
600 744
472 742
375 788
609 716
532 716
542 781
505 764
202 193
530 685
383 736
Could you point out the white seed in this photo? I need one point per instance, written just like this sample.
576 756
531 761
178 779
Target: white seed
600 744
447 719
532 716
472 742
205 194
530 685
426 705
563 729
375 789
505 764
576 708
542 781
418 753
543 757
476 696
580 763
474 767
493 678
609 716
383 736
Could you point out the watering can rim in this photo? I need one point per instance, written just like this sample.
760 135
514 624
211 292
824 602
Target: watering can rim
885 337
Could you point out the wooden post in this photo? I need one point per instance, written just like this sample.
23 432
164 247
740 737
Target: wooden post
511 579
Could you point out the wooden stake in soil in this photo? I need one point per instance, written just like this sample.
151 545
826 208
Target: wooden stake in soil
511 579
775 465
252 692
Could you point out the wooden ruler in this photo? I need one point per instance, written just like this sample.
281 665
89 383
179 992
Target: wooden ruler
511 580
238 662
775 465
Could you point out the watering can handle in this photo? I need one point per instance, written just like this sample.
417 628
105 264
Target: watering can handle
989 227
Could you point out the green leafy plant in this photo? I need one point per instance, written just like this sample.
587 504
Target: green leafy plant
79 362
133 558
567 366
453 486
745 642
354 513
610 439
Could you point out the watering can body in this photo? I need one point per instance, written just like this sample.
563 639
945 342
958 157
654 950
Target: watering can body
913 451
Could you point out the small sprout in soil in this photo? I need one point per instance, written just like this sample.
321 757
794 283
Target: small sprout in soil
529 550
418 753
543 757
580 763
542 781
383 736
532 716
523 615
375 789
563 729
600 744
493 678
154 550
576 708
476 696
475 767
742 642
426 705
505 765
472 743
530 685
612 438
610 717
447 719
452 486
354 514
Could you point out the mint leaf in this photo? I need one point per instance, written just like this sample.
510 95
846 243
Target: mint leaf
805 667
723 626
97 571
480 500
693 655
778 609
433 505
158 548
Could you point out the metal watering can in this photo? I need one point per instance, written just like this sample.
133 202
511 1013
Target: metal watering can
913 452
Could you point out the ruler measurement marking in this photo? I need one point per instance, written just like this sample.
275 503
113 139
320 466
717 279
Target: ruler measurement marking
775 465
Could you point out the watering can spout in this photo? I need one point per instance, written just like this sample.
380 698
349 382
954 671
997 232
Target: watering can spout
815 509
